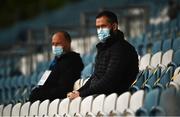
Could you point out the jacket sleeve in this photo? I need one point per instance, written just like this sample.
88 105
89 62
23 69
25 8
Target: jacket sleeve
71 72
74 68
109 80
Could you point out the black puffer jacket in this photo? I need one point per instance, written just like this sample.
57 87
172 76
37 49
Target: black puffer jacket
116 67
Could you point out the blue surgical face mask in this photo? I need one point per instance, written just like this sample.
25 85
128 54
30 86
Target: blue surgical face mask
57 50
103 33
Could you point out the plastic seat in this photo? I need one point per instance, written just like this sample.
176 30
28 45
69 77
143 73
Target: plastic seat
156 59
34 108
86 105
97 105
166 76
177 79
78 84
74 106
176 44
109 103
176 57
16 110
156 46
166 45
167 57
25 109
136 101
145 61
87 58
85 80
122 102
151 99
64 107
177 71
1 109
87 71
43 108
151 79
169 102
7 110
141 78
53 107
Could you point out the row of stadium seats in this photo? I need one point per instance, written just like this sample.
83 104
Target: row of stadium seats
17 89
140 103
156 45
158 79
158 37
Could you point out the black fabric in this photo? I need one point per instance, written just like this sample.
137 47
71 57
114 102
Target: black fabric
65 71
116 67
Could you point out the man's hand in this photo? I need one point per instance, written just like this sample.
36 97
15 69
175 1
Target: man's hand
73 94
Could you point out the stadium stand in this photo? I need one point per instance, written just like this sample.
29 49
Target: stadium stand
155 92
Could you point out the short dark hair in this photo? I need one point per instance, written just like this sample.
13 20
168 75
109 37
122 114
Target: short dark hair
110 15
67 36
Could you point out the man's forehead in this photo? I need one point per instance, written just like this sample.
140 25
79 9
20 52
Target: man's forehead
58 36
102 19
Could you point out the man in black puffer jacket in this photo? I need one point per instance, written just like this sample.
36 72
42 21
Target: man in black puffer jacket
116 64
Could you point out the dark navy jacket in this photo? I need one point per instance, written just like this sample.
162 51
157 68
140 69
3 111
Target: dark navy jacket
66 69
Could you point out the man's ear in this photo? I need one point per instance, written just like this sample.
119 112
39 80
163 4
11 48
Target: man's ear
115 26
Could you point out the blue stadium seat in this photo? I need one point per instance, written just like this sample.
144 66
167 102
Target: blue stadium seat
169 103
166 76
166 45
176 44
156 46
176 57
87 71
140 79
151 100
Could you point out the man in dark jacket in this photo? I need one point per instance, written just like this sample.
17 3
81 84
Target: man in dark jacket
65 70
116 64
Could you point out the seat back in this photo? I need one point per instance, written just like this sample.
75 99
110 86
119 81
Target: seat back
53 107
166 45
110 103
16 110
34 108
145 61
156 46
64 107
170 102
156 59
86 105
176 57
167 57
74 106
1 109
177 71
7 110
176 44
78 84
25 109
85 80
151 99
43 108
123 102
98 103
136 100
177 79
